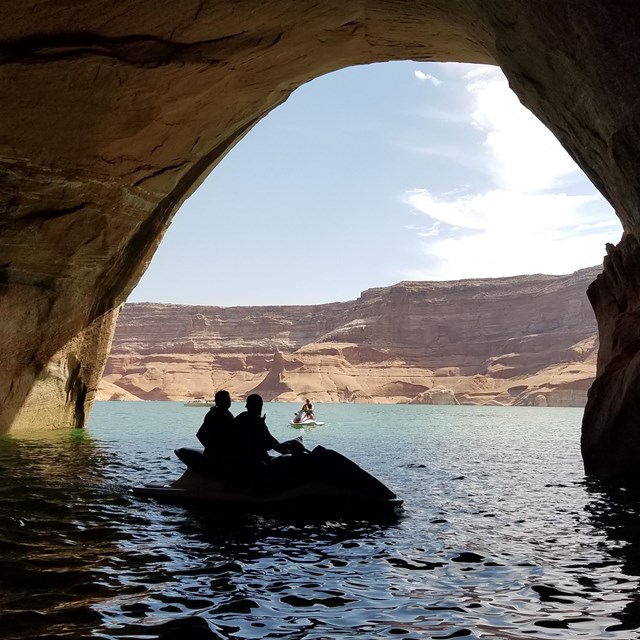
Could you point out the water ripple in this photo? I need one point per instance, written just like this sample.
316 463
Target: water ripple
501 537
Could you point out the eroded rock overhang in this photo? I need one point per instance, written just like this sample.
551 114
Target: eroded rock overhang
112 114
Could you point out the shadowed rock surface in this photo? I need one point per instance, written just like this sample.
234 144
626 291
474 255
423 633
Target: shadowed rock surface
112 113
610 436
523 340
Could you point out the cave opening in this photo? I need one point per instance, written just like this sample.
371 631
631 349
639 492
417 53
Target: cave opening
365 178
94 173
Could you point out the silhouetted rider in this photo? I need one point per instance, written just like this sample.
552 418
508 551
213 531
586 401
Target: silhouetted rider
216 432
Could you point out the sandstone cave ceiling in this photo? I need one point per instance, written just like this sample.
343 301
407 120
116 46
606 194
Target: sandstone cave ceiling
113 113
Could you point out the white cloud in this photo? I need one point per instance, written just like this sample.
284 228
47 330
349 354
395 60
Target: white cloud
422 76
499 255
502 210
526 155
522 222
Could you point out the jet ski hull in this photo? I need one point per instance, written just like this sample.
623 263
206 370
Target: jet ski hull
305 497
303 419
306 423
323 480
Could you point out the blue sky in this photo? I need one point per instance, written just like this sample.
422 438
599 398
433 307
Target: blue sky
376 174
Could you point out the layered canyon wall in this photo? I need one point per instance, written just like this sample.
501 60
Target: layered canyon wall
527 340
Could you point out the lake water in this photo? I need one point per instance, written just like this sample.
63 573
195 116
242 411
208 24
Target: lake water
501 534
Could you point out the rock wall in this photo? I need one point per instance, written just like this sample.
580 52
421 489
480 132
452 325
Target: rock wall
610 435
521 340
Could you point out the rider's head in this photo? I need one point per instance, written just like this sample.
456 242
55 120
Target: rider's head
222 399
254 403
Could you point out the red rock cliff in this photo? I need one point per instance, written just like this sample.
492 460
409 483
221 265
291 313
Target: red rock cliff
520 340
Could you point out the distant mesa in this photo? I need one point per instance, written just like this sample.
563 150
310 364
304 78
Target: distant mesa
525 340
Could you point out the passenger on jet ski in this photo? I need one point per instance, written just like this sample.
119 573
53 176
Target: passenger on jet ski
215 434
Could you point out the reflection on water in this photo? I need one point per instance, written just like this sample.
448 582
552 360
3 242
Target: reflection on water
501 538
616 512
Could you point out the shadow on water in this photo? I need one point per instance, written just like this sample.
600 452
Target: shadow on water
242 535
54 542
616 511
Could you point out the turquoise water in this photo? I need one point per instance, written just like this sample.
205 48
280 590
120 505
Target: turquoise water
501 534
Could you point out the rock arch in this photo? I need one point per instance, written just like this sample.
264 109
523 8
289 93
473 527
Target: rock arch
112 113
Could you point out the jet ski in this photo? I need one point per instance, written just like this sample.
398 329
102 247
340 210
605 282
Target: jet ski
303 419
311 480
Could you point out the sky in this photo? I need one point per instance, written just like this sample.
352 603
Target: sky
376 174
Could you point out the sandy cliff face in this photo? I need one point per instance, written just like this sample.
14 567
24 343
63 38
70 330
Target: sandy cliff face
526 340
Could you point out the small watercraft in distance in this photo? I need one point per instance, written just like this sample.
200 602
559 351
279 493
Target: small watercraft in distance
200 402
303 419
